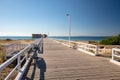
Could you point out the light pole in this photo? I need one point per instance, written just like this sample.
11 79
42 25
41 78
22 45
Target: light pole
69 26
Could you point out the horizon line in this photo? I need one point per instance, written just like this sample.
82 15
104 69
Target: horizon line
63 36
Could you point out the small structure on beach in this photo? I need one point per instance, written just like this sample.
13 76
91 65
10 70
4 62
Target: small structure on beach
37 35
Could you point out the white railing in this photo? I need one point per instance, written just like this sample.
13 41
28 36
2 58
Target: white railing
18 67
64 42
107 49
115 56
81 46
101 50
87 48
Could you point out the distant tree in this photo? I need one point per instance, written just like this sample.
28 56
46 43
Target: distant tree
115 40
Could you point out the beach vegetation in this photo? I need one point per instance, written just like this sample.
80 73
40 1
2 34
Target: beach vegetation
115 40
8 39
92 42
1 54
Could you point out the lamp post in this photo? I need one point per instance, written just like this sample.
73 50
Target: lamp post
69 27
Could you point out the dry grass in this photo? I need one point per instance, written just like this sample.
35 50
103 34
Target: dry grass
1 54
3 42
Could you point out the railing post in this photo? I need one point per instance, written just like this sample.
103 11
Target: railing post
18 60
104 49
5 52
113 53
97 50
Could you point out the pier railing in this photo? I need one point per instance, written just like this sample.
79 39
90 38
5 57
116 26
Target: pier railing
87 48
116 56
81 46
21 69
92 49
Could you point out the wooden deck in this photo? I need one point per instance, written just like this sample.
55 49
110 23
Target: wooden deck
59 62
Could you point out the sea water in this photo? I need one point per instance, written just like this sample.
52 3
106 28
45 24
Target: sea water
82 38
73 38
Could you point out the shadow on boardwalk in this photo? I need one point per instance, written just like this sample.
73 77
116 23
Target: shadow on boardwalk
40 65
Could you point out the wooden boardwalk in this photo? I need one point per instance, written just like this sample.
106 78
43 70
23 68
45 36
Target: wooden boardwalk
59 62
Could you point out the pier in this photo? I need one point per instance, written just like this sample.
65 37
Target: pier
59 62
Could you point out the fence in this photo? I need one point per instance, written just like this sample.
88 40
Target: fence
84 47
101 50
88 48
115 56
18 67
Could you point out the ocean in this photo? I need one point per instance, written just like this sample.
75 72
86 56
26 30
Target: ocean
73 38
82 38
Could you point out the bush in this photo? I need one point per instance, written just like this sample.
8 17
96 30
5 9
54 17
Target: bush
8 39
111 41
92 42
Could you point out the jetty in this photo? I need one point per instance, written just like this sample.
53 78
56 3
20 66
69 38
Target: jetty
55 61
59 62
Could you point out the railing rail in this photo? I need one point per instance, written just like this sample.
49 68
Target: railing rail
85 47
18 67
88 48
101 50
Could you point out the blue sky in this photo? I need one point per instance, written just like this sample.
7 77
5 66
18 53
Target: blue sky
88 17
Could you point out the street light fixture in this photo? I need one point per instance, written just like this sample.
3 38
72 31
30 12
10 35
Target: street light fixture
69 26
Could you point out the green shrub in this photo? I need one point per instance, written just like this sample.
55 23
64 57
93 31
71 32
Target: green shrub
8 39
92 42
111 41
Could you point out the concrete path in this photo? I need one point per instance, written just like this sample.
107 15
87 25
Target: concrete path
59 62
